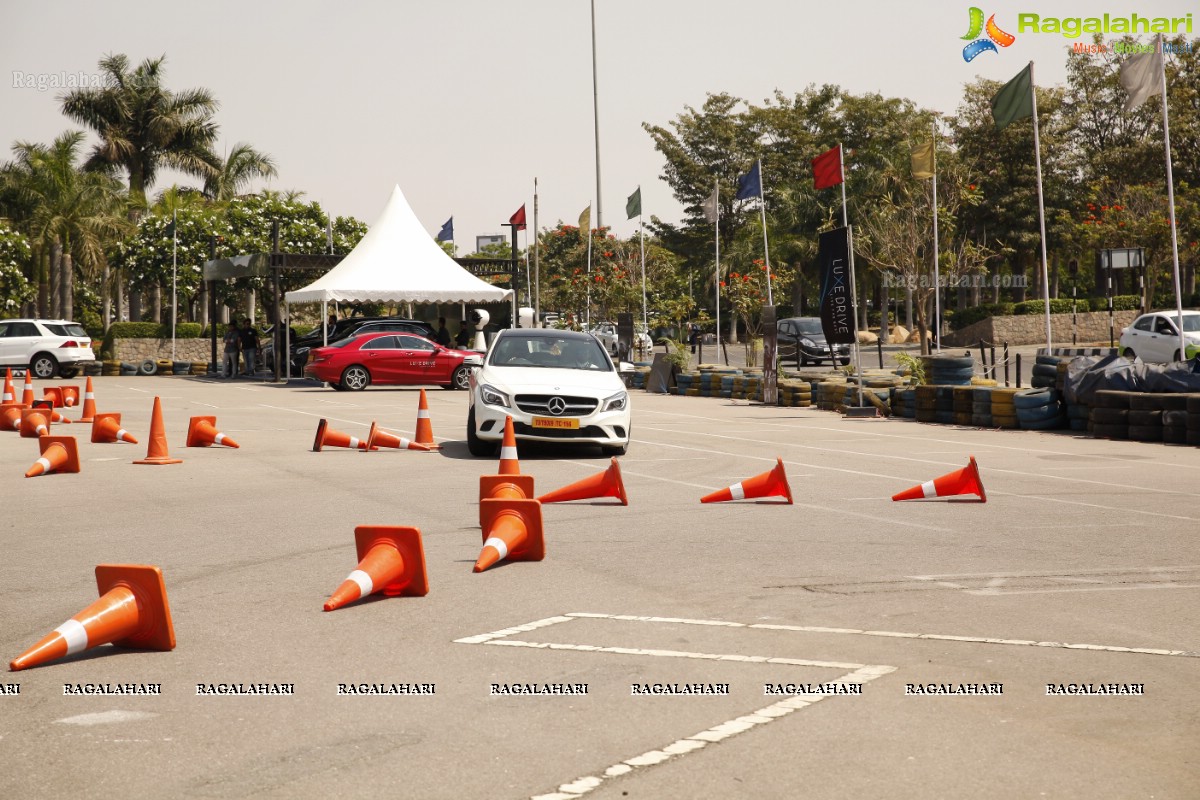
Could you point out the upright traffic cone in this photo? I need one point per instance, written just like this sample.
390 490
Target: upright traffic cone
390 560
35 422
509 465
512 530
10 418
772 483
132 612
59 454
504 487
328 436
604 484
961 481
89 402
156 452
9 398
202 432
27 392
377 438
106 428
424 426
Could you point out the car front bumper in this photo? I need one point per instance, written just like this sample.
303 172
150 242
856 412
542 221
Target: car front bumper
606 428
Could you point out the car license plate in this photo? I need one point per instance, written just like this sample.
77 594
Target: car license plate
556 422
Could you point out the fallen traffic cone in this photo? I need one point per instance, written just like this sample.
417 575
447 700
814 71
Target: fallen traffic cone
424 426
772 483
202 432
605 484
961 481
377 438
156 452
9 398
328 436
512 530
70 396
132 612
504 487
27 392
107 428
57 417
390 560
509 465
59 454
89 402
10 418
35 422
54 395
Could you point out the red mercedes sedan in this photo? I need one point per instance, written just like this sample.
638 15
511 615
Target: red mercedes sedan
356 362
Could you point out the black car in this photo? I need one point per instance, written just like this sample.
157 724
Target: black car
342 329
806 335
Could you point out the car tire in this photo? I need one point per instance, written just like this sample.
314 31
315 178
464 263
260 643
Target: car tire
461 379
355 378
476 446
842 361
68 372
337 387
43 366
1129 354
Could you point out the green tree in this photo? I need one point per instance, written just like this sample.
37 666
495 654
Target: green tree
241 166
15 256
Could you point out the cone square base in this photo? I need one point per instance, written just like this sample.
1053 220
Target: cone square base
319 441
406 540
67 443
54 395
193 436
154 615
534 546
490 484
102 431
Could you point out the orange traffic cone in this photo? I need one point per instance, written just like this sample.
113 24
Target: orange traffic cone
202 433
510 487
390 560
35 422
89 402
27 392
377 438
54 395
605 484
156 452
328 436
10 418
9 398
512 530
132 612
509 465
772 483
961 481
106 427
70 396
59 454
424 426
57 417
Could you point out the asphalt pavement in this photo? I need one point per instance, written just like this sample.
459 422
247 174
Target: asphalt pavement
845 646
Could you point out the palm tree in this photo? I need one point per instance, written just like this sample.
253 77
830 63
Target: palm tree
72 215
241 166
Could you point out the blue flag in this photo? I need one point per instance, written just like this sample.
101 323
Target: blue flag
750 184
447 232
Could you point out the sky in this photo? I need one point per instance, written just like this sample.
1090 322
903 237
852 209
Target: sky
463 103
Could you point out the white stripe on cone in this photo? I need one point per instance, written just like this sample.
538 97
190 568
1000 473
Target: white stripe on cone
89 395
218 438
422 413
508 454
365 584
499 544
68 401
353 441
927 489
45 462
74 634
122 433
737 492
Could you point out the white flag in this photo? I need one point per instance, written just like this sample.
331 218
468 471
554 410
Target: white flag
709 206
1141 77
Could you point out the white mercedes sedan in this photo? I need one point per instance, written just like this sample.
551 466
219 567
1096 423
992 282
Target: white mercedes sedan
558 386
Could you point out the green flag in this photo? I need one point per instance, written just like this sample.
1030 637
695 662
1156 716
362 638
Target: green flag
922 160
633 206
1015 100
585 219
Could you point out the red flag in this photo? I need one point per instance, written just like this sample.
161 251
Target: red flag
518 218
827 168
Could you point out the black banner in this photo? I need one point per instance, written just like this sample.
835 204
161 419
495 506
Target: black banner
833 258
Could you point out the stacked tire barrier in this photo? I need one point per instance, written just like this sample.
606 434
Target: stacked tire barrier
949 370
795 393
1038 409
943 405
1175 418
926 403
111 368
1193 420
1045 372
1110 414
199 367
981 406
1004 410
964 404
1145 417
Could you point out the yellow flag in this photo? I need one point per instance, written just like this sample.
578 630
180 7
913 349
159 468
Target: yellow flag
585 219
922 160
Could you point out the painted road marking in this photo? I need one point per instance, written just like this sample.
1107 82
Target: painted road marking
107 717
859 673
989 584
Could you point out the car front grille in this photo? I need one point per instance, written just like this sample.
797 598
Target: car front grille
540 404
586 432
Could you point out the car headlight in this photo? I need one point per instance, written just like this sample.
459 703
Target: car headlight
808 342
615 403
493 397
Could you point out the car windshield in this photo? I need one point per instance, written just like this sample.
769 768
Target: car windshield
549 352
1191 322
809 327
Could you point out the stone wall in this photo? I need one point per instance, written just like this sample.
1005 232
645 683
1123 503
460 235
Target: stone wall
135 351
1092 326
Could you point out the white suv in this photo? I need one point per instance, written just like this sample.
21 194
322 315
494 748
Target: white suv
48 347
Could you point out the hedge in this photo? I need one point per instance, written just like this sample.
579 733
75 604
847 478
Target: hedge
1121 302
969 316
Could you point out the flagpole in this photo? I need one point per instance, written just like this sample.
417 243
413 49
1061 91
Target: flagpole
642 244
853 288
937 268
537 267
1037 153
762 205
1162 57
717 248
174 305
587 312
596 119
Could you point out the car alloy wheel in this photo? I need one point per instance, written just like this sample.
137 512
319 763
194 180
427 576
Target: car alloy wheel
43 366
462 377
356 378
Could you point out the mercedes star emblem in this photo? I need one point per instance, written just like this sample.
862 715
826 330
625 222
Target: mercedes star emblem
556 405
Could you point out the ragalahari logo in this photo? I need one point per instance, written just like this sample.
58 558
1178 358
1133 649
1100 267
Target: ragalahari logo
995 36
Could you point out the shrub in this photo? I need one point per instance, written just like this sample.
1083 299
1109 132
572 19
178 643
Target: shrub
969 316
1057 306
1121 302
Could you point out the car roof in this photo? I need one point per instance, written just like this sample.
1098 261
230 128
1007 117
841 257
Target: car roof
39 319
546 333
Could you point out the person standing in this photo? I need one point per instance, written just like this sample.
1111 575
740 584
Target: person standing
249 346
232 347
463 340
442 336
